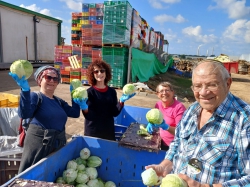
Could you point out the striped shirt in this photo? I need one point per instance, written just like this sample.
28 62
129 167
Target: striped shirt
222 145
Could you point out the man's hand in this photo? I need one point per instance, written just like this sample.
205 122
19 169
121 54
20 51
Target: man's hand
193 183
162 169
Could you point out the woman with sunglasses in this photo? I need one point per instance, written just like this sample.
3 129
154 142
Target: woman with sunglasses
102 104
46 131
172 111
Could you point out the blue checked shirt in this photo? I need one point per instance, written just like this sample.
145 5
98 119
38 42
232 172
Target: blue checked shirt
222 145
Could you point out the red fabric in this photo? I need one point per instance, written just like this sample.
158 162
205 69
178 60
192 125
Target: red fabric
22 134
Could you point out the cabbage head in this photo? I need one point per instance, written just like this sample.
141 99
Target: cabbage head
173 180
71 165
69 175
128 89
154 116
80 161
94 161
149 177
80 93
110 184
91 172
85 153
80 167
82 185
93 183
82 178
60 180
76 83
22 68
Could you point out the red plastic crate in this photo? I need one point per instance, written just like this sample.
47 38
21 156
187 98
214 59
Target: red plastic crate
232 67
97 53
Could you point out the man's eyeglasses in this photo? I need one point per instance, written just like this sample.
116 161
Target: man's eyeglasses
164 91
210 87
49 78
101 71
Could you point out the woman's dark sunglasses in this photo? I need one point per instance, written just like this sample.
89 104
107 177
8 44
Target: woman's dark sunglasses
101 71
49 78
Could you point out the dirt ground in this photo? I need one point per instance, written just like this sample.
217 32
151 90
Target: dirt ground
240 87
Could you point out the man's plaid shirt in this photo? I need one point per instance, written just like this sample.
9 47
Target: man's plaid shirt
222 145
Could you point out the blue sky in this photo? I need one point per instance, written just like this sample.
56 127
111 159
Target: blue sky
208 26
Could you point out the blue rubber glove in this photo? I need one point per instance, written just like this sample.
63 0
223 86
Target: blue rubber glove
150 128
125 97
23 83
71 88
164 125
82 103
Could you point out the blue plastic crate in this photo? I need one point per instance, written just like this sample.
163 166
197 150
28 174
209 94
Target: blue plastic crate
121 165
128 115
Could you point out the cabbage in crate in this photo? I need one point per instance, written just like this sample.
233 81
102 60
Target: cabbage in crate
22 68
173 180
80 93
129 89
154 116
76 83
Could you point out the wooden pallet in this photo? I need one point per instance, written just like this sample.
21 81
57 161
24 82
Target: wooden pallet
74 62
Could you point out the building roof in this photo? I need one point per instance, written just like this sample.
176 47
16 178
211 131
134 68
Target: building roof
2 3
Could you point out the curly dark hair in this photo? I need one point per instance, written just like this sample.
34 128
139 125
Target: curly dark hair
101 64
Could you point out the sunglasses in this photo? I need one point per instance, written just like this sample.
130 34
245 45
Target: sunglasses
101 71
49 78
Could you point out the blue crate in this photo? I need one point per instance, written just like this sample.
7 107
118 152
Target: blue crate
128 115
121 165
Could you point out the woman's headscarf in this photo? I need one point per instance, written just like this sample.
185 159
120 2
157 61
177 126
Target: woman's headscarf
43 70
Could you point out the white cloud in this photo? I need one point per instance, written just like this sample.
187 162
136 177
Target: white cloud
196 34
161 4
167 18
34 8
76 6
238 31
235 9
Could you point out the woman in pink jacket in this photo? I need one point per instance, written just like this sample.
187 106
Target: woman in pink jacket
172 111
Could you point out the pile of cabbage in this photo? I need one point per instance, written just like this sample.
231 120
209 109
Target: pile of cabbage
82 172
150 178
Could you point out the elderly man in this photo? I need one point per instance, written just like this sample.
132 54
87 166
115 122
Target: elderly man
212 140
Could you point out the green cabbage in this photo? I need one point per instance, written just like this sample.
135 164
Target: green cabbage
69 175
129 89
80 167
22 68
71 165
82 185
76 83
60 180
93 183
79 161
110 184
80 93
82 178
91 172
149 177
85 153
94 161
173 180
154 116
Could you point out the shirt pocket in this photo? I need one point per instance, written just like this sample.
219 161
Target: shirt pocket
212 150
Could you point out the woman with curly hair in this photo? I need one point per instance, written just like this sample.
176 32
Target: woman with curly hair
102 104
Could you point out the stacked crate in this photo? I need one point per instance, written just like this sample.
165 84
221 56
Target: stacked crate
117 22
76 28
152 39
91 28
117 57
135 30
145 30
62 53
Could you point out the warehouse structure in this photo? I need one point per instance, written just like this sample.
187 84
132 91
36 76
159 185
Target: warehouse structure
25 34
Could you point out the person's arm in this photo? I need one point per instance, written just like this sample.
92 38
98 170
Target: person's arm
162 169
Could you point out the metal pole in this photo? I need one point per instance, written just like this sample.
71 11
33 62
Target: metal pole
35 37
1 41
